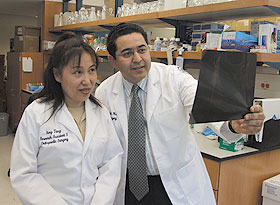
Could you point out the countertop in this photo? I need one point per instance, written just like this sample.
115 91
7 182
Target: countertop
210 149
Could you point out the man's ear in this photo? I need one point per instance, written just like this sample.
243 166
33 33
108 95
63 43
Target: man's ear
112 61
57 75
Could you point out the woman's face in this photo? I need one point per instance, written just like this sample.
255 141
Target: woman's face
77 82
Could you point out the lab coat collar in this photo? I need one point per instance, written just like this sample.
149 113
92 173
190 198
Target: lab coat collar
65 118
119 103
91 124
153 92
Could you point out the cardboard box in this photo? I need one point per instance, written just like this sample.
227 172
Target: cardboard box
2 93
48 45
243 25
255 27
27 30
2 60
210 27
26 43
16 77
271 191
238 40
3 106
198 35
213 41
174 4
2 75
268 36
234 146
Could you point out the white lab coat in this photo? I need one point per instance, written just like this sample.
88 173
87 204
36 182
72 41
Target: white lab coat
51 164
170 96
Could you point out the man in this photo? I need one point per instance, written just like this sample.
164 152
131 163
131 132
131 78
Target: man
173 166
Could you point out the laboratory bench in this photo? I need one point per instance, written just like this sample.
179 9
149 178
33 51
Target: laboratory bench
237 177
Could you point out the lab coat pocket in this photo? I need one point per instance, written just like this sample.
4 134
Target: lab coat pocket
170 122
192 180
98 149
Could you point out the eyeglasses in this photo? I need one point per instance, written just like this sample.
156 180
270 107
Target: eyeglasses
129 53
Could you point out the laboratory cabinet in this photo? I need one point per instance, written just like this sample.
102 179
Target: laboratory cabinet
22 68
237 177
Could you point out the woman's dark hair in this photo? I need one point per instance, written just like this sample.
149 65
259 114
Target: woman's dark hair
121 30
68 47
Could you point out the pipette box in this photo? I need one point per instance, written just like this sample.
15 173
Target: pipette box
271 191
238 40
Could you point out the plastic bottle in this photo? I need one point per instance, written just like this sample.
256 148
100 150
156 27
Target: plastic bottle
198 46
178 42
98 15
164 44
157 44
101 44
105 40
172 41
60 19
90 42
96 43
180 59
92 15
103 12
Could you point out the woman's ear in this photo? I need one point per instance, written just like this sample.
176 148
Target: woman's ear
57 75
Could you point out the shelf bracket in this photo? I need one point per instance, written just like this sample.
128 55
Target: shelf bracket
180 27
107 27
65 6
275 9
273 64
79 32
79 4
118 3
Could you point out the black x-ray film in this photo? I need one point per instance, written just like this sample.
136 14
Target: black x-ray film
225 87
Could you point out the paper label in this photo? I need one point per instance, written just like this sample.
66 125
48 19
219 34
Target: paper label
229 35
27 64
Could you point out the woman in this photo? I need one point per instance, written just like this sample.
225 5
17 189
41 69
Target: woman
66 150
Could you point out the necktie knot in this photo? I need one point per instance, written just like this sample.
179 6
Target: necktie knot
134 89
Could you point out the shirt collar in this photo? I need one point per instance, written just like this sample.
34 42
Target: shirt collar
128 85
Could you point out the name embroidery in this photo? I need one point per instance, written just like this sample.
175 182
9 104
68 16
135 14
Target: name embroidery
54 136
113 115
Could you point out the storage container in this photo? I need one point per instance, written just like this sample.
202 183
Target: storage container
4 119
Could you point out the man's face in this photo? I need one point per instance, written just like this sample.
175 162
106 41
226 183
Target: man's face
132 57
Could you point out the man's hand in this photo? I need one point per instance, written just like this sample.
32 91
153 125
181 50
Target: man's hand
252 122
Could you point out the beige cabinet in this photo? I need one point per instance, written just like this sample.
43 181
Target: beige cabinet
238 181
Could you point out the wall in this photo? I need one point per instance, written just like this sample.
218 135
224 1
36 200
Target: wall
86 2
7 26
161 32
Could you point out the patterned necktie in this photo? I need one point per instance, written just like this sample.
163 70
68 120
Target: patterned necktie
137 168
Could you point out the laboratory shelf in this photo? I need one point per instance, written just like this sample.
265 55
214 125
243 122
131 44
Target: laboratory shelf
239 9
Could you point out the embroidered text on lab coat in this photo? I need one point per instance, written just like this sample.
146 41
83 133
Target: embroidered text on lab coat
54 136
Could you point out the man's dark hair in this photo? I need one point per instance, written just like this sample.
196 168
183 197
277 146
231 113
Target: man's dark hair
121 30
68 48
